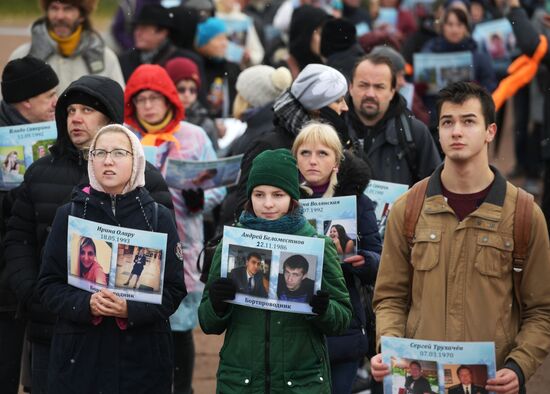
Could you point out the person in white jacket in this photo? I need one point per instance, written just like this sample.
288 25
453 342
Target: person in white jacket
65 39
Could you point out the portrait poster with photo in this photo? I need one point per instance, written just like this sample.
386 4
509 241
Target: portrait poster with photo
437 70
383 195
278 272
496 38
191 174
20 146
127 261
420 366
337 219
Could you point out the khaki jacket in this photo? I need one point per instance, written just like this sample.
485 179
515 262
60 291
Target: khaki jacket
461 275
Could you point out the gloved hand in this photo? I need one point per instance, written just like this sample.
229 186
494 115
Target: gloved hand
194 199
221 289
319 302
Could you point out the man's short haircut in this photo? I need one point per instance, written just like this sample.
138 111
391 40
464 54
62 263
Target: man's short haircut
253 254
377 60
414 362
459 92
463 367
296 261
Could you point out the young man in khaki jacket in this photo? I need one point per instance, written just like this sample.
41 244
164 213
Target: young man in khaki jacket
458 270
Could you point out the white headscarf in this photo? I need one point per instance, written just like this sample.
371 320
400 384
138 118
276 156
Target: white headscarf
137 179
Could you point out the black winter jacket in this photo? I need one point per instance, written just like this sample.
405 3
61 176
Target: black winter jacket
384 149
47 185
100 356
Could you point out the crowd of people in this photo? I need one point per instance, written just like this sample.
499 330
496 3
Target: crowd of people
330 100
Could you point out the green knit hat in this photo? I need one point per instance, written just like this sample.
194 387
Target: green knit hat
274 168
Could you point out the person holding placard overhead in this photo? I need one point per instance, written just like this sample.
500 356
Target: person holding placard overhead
103 342
272 351
328 171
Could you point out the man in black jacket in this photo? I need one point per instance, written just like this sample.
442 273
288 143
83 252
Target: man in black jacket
399 147
88 104
29 96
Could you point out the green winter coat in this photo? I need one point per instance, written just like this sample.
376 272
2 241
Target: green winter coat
278 352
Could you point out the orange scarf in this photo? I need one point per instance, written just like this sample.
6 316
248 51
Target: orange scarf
521 72
154 136
68 45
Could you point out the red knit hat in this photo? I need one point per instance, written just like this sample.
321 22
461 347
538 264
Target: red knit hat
182 68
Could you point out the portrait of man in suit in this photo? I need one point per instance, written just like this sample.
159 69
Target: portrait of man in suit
293 284
249 277
466 386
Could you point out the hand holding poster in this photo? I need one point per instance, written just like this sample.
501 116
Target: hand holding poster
20 146
336 218
184 174
127 261
420 366
273 271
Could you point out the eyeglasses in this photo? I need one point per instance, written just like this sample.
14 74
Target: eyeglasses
153 99
116 154
184 89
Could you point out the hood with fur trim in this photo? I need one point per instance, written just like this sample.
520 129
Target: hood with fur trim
151 77
105 90
86 7
137 179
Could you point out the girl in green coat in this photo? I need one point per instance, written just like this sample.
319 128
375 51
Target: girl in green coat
267 351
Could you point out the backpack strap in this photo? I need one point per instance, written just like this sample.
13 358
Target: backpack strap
406 141
415 200
523 216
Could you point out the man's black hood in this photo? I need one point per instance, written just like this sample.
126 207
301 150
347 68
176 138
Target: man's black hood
108 92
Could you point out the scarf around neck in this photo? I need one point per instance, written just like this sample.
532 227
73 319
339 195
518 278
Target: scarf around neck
68 45
156 134
287 224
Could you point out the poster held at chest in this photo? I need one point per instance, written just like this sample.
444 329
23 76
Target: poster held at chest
272 271
20 146
423 366
127 261
336 218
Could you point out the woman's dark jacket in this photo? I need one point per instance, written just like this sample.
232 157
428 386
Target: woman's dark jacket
103 358
353 177
48 184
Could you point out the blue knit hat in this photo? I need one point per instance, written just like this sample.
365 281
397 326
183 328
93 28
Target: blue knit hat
209 29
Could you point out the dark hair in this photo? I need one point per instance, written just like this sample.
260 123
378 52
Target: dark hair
342 235
459 92
460 15
85 241
296 261
377 60
253 254
461 368
414 362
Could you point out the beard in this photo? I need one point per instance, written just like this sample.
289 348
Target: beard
71 27
369 113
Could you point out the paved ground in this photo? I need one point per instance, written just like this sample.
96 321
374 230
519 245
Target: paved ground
14 33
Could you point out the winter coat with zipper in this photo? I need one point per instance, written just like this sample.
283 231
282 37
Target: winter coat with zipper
133 355
47 185
276 352
461 276
351 180
91 56
384 149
